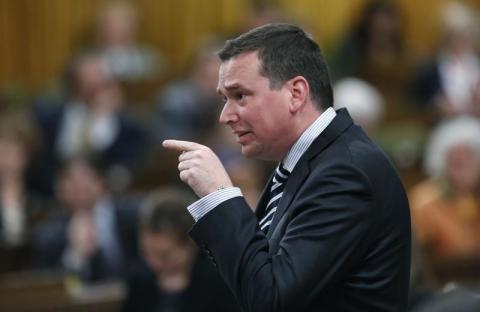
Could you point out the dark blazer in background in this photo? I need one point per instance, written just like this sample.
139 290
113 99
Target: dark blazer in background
129 148
339 240
207 292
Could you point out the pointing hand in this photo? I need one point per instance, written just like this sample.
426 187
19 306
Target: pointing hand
199 167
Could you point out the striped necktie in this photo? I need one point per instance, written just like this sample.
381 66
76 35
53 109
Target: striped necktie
276 191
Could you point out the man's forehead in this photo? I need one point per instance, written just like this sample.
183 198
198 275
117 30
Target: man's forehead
235 70
247 58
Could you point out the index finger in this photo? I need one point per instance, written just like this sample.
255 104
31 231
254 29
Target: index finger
178 145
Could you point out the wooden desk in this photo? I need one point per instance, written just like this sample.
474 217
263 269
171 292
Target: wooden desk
38 292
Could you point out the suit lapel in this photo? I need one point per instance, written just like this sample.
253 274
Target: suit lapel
301 171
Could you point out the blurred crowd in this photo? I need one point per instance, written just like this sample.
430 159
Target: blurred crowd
86 190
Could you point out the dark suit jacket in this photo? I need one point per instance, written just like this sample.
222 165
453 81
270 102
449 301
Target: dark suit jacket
206 292
128 149
426 84
19 257
339 241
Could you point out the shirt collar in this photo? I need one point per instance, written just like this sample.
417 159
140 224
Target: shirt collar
307 138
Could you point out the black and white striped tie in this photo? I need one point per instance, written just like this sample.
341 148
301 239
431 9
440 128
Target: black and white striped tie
276 192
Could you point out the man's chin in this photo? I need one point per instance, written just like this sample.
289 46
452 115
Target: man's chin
258 152
250 151
254 151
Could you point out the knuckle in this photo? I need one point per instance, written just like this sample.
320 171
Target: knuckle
193 172
207 149
184 175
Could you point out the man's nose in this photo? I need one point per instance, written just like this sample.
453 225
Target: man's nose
228 114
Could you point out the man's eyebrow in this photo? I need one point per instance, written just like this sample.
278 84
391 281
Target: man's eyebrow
232 87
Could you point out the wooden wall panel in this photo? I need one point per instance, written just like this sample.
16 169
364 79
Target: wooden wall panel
11 70
38 36
329 20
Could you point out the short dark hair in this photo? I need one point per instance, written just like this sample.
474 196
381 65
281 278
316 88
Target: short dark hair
285 51
165 211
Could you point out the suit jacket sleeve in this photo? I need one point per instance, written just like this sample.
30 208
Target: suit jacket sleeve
328 222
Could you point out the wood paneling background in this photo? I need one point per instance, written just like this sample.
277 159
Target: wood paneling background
38 36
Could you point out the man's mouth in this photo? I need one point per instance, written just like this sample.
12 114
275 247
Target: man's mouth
242 133
242 136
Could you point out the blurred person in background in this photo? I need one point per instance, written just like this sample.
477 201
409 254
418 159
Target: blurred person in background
117 29
375 52
89 120
263 12
449 84
363 101
176 278
188 108
20 209
94 234
446 207
458 299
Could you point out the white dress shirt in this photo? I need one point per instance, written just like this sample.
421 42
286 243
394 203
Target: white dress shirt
99 130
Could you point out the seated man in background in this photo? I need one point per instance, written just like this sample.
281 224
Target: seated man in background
90 119
175 277
188 108
94 235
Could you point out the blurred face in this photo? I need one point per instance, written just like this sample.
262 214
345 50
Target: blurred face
96 88
258 115
384 28
79 186
206 75
13 159
463 168
117 27
91 76
165 254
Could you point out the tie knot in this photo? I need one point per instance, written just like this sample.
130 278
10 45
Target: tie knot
281 173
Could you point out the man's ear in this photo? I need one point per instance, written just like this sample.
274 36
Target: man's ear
300 93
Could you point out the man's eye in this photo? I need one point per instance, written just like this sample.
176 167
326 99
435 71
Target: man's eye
224 99
239 96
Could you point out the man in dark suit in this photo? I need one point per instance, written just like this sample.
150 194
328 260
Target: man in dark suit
331 231
88 120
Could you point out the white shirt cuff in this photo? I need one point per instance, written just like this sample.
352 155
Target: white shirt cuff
207 203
